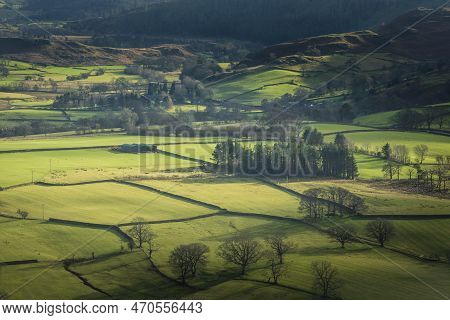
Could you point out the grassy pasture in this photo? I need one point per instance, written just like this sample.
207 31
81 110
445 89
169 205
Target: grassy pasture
32 114
367 273
129 276
386 119
240 195
25 239
381 200
82 165
249 290
438 145
43 281
89 141
20 70
370 167
328 128
105 203
229 89
428 237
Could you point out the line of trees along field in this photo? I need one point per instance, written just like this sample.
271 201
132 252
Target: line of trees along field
293 158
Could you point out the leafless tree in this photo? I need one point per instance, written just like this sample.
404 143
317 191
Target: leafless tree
22 213
343 234
187 260
381 230
151 244
279 246
179 262
140 232
326 279
275 270
421 152
240 250
197 255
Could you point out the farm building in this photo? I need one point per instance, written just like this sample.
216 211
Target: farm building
138 148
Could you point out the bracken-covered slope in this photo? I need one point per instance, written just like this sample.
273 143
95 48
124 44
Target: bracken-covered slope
430 39
64 53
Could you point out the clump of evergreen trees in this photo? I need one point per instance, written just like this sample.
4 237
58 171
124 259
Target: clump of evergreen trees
290 158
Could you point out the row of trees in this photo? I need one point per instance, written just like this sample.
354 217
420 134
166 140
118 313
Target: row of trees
291 158
330 201
413 119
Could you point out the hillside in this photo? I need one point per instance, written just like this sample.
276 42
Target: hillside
265 21
427 40
67 53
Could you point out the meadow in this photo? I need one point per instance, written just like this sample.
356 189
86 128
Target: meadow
40 240
381 200
101 203
437 144
386 119
83 165
364 269
254 87
238 195
91 140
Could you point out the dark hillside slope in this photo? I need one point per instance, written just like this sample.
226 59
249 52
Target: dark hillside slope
266 21
429 40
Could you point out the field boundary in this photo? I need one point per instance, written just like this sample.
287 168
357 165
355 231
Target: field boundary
105 227
86 282
171 195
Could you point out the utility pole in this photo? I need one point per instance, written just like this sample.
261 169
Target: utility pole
32 176
43 212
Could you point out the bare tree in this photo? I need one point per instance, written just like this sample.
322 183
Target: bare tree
152 245
279 246
343 234
275 270
22 213
140 232
421 151
381 230
240 250
187 260
356 204
326 279
179 261
197 255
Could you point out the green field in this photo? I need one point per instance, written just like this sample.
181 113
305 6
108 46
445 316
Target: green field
426 237
363 269
129 275
380 199
239 195
104 203
437 144
328 128
76 141
83 165
32 114
43 241
269 84
43 281
386 119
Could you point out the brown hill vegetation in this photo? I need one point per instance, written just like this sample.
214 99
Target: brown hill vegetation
65 53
